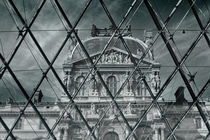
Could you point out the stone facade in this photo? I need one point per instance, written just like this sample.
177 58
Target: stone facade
93 99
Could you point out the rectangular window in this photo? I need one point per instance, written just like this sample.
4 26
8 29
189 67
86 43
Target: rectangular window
19 124
41 125
175 121
1 127
198 123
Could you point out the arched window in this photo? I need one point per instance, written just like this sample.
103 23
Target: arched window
79 81
77 129
198 122
139 87
76 132
129 86
111 136
143 90
77 116
112 84
94 84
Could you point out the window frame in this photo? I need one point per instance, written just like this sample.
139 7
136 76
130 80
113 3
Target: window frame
79 80
198 122
112 84
19 124
41 125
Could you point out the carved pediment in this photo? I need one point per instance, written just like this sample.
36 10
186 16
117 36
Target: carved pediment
113 56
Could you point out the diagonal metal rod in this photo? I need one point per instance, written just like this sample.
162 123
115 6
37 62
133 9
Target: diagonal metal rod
124 84
154 17
207 136
173 12
135 65
115 26
170 77
106 46
16 48
22 112
86 53
199 21
88 56
26 96
192 105
171 35
50 64
95 68
166 22
6 128
23 36
82 117
122 87
70 32
20 109
118 92
39 83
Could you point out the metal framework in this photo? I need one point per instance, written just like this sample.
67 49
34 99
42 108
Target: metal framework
26 30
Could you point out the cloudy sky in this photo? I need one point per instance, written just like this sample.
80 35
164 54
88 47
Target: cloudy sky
50 33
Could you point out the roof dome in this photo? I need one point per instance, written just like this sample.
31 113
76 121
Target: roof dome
95 45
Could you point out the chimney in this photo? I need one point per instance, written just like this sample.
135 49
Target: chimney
179 94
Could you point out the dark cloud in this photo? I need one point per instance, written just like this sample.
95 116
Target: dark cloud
50 41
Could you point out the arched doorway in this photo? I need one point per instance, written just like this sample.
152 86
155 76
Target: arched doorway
111 136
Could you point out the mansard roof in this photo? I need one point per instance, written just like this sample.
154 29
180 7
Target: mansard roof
95 45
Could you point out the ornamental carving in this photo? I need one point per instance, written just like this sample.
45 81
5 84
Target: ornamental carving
113 57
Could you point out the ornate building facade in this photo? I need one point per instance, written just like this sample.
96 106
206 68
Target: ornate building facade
93 100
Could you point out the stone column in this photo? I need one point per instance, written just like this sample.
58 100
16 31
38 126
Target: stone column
65 134
162 134
69 82
96 132
126 132
59 133
157 135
